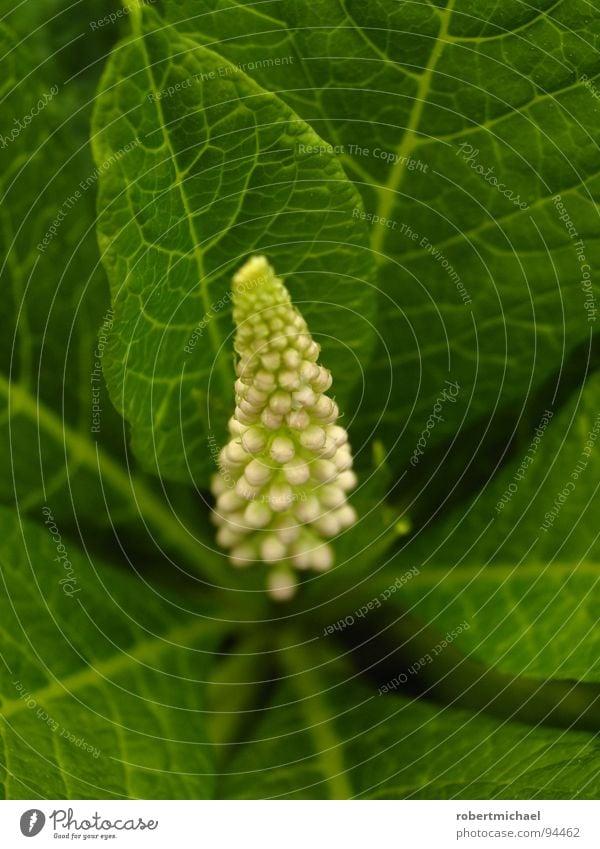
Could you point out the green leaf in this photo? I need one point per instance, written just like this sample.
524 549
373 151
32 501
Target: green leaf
474 288
521 561
62 443
324 734
218 173
102 677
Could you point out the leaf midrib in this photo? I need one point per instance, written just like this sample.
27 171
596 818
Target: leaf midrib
409 139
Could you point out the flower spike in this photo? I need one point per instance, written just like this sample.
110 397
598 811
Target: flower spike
285 473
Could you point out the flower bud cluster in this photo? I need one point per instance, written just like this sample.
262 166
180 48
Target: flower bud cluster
281 490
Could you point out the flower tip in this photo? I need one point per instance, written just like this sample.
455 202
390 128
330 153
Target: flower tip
256 270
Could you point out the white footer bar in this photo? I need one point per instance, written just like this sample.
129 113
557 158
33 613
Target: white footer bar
301 824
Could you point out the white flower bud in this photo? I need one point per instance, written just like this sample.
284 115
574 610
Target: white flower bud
280 496
323 380
347 480
265 381
235 427
312 351
271 361
280 402
257 473
332 496
289 380
254 440
229 501
272 549
308 510
323 471
305 397
322 558
292 359
243 554
298 419
343 458
287 529
279 343
234 454
256 397
327 525
227 537
218 485
237 522
329 449
282 449
346 516
302 553
309 371
338 434
246 490
313 438
249 409
271 420
334 415
296 472
258 514
244 333
243 417
324 408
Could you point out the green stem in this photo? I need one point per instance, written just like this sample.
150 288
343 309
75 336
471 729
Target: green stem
135 14
238 693
299 666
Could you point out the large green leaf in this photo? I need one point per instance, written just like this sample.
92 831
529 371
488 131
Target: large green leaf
101 680
521 561
217 175
399 87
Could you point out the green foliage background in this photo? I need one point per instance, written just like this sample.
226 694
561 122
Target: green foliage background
357 145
